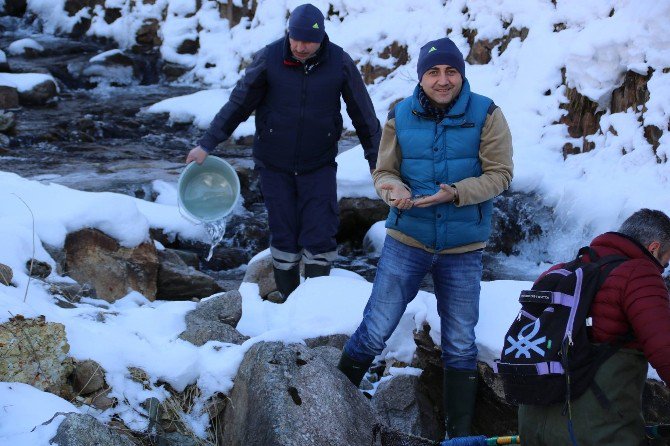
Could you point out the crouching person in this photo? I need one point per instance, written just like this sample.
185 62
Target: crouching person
632 303
446 152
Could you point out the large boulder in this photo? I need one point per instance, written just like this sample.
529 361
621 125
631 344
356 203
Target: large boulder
80 429
178 281
401 402
289 395
335 340
96 259
39 94
34 352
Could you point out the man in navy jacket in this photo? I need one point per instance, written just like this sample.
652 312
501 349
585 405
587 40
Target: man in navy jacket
294 84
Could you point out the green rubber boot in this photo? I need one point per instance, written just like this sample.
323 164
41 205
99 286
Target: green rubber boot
460 392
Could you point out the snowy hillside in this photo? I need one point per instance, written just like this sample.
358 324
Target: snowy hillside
541 56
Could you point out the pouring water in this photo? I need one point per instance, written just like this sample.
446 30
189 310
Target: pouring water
216 230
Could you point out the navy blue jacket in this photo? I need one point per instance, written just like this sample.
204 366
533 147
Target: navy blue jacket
298 120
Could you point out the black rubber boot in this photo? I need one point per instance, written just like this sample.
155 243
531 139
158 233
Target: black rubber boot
354 370
315 270
460 392
287 280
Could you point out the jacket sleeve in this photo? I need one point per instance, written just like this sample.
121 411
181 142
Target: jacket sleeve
647 307
388 161
243 100
495 154
361 111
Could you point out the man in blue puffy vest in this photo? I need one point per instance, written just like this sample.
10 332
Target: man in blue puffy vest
445 154
294 84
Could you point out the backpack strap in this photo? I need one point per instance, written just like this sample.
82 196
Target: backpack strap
605 351
587 250
607 264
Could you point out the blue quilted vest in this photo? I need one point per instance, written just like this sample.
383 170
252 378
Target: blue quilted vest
441 152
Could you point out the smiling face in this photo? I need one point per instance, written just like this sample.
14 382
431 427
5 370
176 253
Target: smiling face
302 50
442 84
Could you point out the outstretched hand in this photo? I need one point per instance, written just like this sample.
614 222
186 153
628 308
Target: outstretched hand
399 196
446 194
197 154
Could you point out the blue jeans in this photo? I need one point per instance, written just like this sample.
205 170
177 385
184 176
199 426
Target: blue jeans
400 271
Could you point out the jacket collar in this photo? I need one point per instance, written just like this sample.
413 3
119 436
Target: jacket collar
625 245
318 58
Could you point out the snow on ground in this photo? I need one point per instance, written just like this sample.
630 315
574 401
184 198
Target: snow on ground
134 332
25 408
590 193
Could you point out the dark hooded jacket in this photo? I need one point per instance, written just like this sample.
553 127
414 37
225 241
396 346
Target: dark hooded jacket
298 119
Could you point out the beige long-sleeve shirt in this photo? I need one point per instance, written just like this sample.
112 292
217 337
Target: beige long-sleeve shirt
495 154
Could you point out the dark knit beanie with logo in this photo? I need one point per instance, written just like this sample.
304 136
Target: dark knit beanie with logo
306 24
440 52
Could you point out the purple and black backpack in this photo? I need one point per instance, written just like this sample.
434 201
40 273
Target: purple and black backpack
548 357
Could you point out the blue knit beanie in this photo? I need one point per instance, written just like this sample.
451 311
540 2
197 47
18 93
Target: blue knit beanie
440 52
306 24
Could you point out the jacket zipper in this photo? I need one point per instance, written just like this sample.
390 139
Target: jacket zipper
302 116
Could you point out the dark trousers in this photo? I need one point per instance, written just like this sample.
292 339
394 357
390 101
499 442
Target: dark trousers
302 213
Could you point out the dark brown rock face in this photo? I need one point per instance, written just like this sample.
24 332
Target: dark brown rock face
632 93
371 72
147 37
40 94
234 13
480 50
94 258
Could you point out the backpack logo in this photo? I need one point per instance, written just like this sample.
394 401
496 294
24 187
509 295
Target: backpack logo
315 26
525 343
432 48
